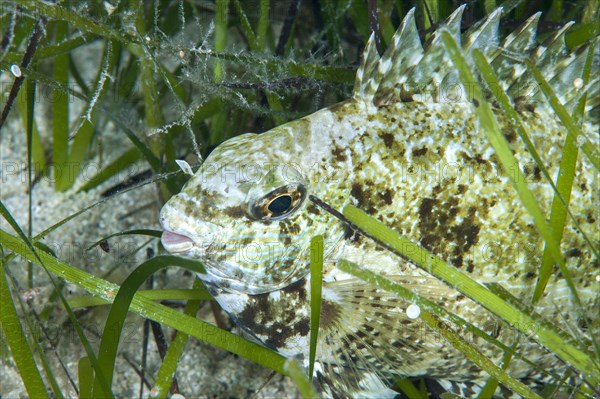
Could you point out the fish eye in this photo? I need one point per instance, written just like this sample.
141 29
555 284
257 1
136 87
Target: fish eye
279 203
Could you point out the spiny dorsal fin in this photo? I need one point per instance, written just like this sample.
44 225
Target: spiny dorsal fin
404 52
507 63
546 57
409 71
366 78
553 47
485 37
435 63
563 76
410 65
570 90
523 38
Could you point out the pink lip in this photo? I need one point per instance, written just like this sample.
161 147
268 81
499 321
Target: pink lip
174 242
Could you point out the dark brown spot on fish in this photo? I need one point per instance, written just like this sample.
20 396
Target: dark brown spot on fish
388 139
419 152
440 226
537 173
313 209
466 233
355 237
265 316
406 96
235 212
330 314
358 193
428 241
574 253
470 266
476 103
457 261
529 275
509 134
302 327
289 227
387 196
297 287
590 218
476 159
245 241
347 233
338 154
426 207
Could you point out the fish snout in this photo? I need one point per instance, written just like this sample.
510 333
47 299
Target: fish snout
175 243
181 235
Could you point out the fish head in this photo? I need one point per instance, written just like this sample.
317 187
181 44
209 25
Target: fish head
245 214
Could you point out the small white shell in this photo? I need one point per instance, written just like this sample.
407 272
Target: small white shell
15 70
413 311
109 7
185 167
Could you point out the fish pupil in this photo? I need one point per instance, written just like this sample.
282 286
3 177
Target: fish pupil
280 204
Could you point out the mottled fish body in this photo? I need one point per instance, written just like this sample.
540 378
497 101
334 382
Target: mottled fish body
408 149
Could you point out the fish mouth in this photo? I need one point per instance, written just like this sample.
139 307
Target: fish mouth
175 242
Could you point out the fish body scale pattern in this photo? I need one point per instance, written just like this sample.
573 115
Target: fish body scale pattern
419 162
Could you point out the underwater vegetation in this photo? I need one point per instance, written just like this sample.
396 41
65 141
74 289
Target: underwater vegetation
99 102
